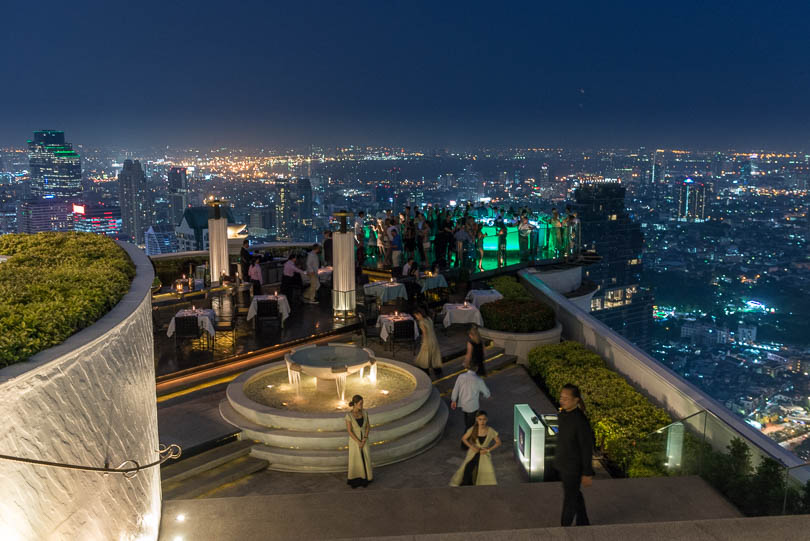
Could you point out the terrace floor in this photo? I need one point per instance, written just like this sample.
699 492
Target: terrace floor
411 498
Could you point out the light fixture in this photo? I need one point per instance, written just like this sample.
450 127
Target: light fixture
181 517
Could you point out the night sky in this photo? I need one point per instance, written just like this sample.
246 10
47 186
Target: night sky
428 74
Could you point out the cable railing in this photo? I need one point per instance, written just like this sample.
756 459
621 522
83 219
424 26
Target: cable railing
166 452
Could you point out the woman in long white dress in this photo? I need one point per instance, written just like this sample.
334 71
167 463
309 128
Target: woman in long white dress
429 356
477 468
357 425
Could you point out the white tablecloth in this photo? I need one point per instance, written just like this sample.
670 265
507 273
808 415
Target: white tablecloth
283 305
386 290
206 319
432 282
477 297
458 313
324 275
386 324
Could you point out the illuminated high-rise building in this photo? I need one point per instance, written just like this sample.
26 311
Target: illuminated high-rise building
304 188
38 215
284 206
178 193
56 169
134 204
659 166
620 302
97 219
692 201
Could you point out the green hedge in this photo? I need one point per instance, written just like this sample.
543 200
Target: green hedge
620 415
624 423
517 315
509 287
55 284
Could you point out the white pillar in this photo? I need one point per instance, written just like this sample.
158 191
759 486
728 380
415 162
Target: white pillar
343 295
218 248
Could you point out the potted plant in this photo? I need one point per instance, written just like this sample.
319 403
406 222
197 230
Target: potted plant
518 322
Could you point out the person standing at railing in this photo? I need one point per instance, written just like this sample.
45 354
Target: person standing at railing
524 230
479 246
574 455
501 232
556 232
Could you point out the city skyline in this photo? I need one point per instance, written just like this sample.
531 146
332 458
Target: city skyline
455 75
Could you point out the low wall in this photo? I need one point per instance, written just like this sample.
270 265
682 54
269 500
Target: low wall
89 401
663 386
520 344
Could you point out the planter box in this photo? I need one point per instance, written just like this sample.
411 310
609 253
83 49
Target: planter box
521 343
87 401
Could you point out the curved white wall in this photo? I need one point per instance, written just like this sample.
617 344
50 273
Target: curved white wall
88 401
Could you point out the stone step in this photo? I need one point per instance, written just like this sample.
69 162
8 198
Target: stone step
322 461
457 363
212 479
496 362
498 512
189 467
292 439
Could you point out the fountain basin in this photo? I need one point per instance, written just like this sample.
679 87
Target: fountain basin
331 362
303 427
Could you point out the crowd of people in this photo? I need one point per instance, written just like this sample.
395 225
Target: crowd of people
454 236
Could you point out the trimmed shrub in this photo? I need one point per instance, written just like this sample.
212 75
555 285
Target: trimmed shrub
517 315
620 416
625 424
509 287
55 284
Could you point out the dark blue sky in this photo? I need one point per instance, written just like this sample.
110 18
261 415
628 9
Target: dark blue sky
435 74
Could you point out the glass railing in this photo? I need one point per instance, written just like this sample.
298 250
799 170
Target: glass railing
702 444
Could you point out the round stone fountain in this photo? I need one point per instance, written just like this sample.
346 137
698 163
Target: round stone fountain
295 409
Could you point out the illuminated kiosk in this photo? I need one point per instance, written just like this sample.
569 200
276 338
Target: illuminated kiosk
298 420
535 438
343 279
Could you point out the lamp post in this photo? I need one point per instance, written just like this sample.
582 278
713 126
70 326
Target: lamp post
343 282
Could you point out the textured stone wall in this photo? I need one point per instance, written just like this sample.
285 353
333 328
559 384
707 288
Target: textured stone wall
89 401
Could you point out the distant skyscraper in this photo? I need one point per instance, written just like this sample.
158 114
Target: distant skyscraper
131 188
178 193
305 201
284 204
56 169
260 221
658 167
37 215
99 220
620 303
691 201
160 240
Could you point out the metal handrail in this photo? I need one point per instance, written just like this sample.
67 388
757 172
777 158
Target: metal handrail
166 453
